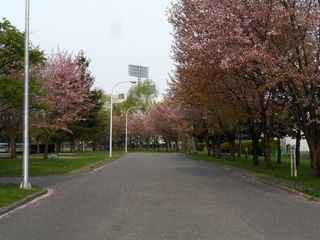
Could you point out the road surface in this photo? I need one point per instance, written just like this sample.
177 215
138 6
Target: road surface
150 196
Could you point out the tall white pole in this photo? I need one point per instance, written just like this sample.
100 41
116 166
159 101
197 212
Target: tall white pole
126 143
110 139
26 184
111 107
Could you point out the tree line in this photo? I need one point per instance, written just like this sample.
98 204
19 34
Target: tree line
243 68
248 67
62 93
65 107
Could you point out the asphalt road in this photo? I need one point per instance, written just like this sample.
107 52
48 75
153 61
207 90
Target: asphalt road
162 196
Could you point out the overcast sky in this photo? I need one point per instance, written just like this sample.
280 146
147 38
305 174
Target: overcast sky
112 33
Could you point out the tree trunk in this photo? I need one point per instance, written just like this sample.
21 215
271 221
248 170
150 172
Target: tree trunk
266 141
255 136
94 146
38 148
279 150
232 146
255 155
46 139
154 144
207 139
72 145
315 156
298 140
267 155
246 152
148 143
13 145
218 149
194 143
216 146
239 148
313 139
189 143
46 148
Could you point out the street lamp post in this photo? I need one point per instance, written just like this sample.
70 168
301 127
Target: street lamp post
111 103
126 143
25 183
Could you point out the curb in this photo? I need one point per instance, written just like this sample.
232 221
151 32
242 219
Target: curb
261 180
19 203
92 168
30 198
277 185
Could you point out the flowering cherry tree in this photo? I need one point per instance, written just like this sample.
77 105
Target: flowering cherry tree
162 121
66 93
264 52
136 129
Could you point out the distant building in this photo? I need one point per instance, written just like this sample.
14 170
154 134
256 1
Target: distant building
289 141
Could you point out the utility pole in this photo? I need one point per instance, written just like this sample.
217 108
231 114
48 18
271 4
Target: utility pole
26 184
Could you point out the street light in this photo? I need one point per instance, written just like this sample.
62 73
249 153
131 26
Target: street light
126 143
110 140
25 183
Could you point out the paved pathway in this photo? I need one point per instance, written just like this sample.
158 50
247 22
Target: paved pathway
162 196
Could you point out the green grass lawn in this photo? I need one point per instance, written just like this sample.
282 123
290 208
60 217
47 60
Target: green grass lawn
10 193
65 163
280 170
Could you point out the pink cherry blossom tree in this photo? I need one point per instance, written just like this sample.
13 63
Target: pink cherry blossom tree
162 121
66 92
268 52
136 130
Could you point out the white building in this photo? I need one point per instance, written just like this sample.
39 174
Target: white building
292 141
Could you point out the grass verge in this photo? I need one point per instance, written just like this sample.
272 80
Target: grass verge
10 193
65 163
281 171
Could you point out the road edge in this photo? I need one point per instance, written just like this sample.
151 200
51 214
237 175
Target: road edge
247 174
19 203
92 167
30 198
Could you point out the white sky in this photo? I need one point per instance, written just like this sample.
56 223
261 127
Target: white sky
112 33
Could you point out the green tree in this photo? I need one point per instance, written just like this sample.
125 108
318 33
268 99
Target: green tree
12 49
11 65
93 125
11 84
143 94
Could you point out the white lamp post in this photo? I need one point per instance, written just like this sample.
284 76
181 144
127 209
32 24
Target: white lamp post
25 183
111 96
126 143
